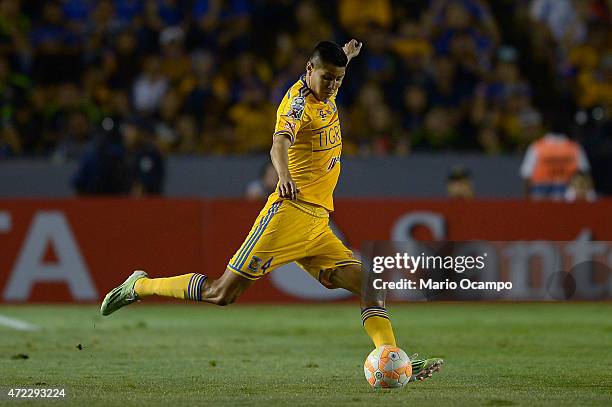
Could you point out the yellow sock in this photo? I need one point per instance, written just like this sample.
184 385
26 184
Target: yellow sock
185 287
378 326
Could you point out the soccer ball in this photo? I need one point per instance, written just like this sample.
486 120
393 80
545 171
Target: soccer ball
387 366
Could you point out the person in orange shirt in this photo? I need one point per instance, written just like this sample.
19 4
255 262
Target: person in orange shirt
551 161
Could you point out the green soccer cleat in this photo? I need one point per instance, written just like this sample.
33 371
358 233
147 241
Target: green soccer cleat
423 369
122 295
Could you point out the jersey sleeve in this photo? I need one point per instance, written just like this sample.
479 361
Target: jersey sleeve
291 115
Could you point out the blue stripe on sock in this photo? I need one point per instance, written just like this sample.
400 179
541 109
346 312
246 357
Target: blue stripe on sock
199 289
191 284
254 242
373 307
191 281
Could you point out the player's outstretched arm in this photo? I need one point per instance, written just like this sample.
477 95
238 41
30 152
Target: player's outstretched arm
280 159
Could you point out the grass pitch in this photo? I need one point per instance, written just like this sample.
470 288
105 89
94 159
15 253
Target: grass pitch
171 354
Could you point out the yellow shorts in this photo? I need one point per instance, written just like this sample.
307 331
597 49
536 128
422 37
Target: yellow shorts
287 231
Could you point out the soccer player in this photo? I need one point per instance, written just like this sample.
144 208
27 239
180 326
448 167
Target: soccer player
293 225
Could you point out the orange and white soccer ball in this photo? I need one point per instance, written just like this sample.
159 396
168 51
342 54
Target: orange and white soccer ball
387 366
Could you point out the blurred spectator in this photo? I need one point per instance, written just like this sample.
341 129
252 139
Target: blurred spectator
170 109
357 16
101 169
438 132
411 41
462 14
433 75
14 91
189 139
595 84
150 87
311 27
370 98
251 122
378 61
413 112
234 19
9 142
170 12
414 108
262 187
175 62
123 62
121 161
561 18
249 73
144 162
206 92
74 136
580 188
551 161
459 183
14 32
56 48
442 87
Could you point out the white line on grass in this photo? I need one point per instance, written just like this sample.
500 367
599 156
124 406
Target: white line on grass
17 324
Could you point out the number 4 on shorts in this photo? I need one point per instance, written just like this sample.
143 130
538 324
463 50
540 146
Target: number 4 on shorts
266 265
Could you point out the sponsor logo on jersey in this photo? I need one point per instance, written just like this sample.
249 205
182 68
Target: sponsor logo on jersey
296 109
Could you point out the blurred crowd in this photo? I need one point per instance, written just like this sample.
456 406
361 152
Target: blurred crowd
206 75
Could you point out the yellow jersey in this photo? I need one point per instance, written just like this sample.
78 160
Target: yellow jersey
316 143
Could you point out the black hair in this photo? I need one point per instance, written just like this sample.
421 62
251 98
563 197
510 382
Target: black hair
328 52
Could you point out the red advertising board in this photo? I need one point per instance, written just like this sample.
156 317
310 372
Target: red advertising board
77 249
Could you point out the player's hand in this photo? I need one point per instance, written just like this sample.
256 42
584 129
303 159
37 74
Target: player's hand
287 188
352 48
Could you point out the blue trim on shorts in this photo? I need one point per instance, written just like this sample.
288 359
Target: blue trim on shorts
250 243
259 233
242 273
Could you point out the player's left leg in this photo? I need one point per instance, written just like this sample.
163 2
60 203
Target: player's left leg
193 286
197 287
247 265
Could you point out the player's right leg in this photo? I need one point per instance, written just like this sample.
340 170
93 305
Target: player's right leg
334 266
197 287
375 318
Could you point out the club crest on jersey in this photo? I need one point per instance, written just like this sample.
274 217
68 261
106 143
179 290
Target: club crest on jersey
296 109
254 264
324 113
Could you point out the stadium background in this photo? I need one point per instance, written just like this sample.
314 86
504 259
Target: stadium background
437 114
441 87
